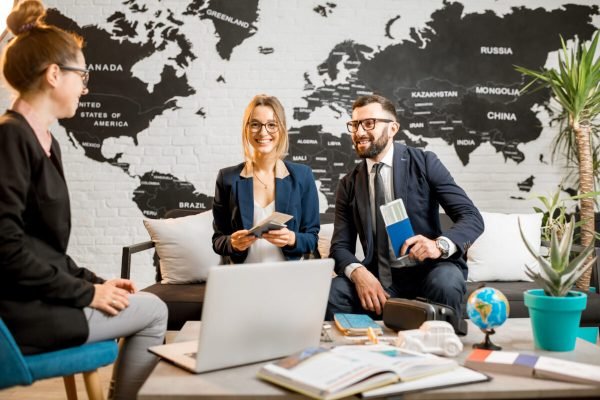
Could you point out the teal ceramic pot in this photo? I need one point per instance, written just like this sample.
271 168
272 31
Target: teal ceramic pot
555 320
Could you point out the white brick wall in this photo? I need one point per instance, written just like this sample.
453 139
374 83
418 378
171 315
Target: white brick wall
192 148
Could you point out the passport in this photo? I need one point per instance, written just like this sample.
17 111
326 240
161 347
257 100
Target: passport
397 224
273 222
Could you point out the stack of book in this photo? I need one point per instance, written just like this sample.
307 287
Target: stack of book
513 363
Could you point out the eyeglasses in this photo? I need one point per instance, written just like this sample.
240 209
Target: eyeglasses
256 127
367 124
85 73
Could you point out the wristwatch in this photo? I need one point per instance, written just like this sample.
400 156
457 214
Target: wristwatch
444 246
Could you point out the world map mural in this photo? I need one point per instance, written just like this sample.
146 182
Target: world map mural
452 79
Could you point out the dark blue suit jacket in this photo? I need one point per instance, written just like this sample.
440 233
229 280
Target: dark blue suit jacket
423 183
233 209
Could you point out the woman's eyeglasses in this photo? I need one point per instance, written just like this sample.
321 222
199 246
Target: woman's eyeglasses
256 127
85 73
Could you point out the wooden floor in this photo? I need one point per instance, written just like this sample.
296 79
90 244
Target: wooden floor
54 389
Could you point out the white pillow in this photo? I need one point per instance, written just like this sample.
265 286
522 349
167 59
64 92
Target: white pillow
324 243
184 246
499 254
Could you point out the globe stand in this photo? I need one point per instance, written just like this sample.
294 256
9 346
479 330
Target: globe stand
487 343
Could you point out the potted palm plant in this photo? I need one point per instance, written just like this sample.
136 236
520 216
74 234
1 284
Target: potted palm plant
555 309
575 85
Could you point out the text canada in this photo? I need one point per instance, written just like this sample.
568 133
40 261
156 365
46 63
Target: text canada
105 67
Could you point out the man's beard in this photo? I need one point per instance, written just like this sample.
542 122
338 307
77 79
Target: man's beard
376 147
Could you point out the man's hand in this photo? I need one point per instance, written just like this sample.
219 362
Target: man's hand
280 237
370 292
110 298
242 239
422 248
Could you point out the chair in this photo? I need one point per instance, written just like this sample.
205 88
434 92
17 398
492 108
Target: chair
184 301
17 369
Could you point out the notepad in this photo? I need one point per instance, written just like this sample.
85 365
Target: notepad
356 324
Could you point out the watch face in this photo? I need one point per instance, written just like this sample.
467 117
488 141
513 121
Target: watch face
443 245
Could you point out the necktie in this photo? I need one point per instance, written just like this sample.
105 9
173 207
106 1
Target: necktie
381 237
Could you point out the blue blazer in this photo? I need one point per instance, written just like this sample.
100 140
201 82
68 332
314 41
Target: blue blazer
423 183
233 209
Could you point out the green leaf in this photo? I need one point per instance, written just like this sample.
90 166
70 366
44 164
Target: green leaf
575 85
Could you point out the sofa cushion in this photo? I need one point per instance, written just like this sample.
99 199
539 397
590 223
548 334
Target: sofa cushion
184 246
324 243
499 254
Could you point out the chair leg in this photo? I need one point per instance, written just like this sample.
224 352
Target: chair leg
92 385
70 387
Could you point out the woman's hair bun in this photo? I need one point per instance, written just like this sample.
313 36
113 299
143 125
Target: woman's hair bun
25 17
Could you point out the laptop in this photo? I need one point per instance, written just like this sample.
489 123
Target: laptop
256 312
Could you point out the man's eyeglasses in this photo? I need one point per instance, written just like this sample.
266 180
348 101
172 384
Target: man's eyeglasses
367 124
256 127
85 73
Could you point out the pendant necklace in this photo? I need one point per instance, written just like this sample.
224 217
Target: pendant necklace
260 180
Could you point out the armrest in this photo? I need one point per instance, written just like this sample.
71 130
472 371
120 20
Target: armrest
126 257
577 248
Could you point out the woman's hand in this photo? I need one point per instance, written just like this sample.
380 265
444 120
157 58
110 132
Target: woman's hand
123 284
241 240
112 296
281 237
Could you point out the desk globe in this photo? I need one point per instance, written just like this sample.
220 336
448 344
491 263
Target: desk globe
487 308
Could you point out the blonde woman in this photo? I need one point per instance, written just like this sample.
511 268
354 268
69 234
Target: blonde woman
46 300
248 192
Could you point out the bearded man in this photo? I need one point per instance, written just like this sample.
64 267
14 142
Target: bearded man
435 266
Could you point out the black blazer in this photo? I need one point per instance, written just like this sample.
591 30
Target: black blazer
423 183
42 290
233 209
